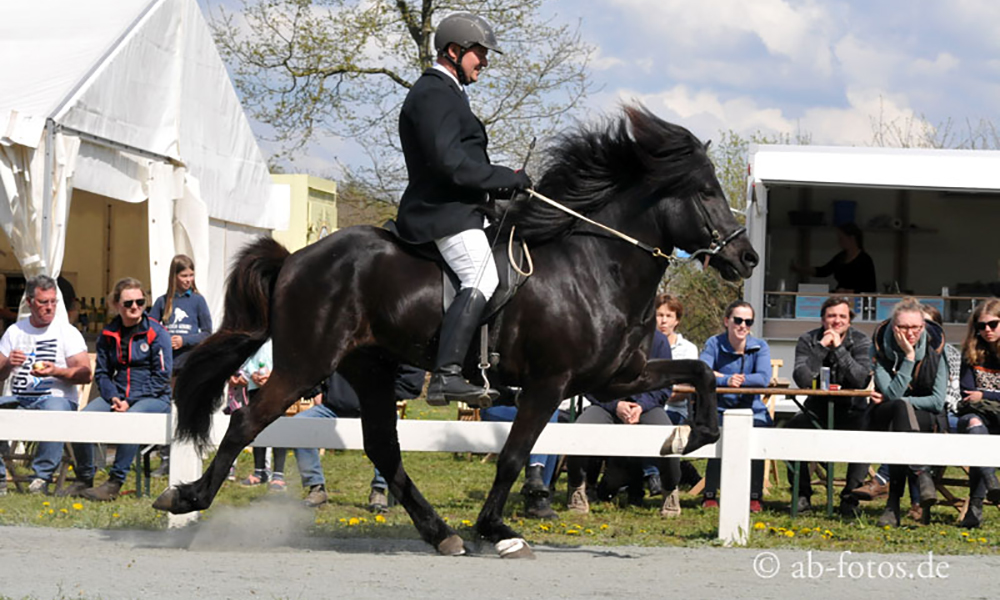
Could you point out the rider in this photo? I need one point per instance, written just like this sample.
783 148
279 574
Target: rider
449 176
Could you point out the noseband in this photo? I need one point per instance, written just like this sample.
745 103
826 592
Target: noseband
718 242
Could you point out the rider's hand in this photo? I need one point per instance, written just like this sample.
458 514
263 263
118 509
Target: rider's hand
522 181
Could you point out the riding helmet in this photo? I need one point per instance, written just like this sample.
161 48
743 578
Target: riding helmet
466 30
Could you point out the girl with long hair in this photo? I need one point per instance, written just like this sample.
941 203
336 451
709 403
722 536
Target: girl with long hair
182 310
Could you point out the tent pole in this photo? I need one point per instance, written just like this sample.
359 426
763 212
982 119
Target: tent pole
50 161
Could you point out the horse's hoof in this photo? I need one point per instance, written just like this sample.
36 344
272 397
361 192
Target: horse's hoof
677 441
168 500
514 548
451 546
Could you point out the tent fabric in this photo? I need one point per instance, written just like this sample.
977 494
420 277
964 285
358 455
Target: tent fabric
136 101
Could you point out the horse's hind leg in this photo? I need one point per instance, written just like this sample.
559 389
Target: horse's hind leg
376 389
533 413
244 426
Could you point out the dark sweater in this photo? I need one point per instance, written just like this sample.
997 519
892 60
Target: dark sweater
189 318
984 378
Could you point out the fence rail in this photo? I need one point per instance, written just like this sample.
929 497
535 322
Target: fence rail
740 443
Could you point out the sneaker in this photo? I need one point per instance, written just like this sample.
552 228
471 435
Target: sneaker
577 501
804 504
105 492
890 518
232 474
654 485
38 486
671 505
872 489
378 501
755 506
316 496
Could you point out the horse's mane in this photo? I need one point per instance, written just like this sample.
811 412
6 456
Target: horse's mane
589 167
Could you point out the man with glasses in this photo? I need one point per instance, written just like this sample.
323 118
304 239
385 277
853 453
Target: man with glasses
45 359
845 351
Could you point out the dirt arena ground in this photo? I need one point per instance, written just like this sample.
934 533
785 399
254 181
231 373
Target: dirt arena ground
209 561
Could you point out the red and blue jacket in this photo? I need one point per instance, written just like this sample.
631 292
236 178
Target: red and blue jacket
137 366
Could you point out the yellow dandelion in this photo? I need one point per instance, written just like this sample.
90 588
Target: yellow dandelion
363 520
544 527
466 522
943 532
352 522
342 519
70 467
816 529
604 526
971 540
64 511
888 528
982 540
576 526
77 506
572 532
379 519
759 525
965 534
642 531
782 530
828 532
806 531
319 521
115 515
46 504
789 534
588 531
52 512
445 519
2 511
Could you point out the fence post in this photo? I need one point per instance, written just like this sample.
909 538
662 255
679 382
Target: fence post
734 504
185 465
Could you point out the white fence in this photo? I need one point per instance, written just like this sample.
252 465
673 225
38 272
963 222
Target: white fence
740 443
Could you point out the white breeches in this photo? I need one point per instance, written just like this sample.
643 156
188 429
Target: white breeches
468 254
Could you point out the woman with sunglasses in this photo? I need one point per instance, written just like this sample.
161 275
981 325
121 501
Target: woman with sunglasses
738 360
980 386
133 375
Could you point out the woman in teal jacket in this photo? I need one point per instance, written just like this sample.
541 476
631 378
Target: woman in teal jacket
738 360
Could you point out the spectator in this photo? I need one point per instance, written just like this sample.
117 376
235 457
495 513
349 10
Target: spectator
645 409
253 375
133 375
911 382
980 405
538 473
182 310
738 360
47 359
341 401
845 351
852 267
669 312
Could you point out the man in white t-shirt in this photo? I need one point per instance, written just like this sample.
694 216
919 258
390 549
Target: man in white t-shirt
45 360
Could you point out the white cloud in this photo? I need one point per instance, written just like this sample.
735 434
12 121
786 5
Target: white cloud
943 64
600 62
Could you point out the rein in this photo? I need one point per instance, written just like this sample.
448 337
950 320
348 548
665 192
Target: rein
718 242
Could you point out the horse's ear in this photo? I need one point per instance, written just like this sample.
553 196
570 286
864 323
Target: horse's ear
707 144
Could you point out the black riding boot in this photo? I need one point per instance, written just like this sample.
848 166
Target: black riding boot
973 514
536 495
989 478
457 329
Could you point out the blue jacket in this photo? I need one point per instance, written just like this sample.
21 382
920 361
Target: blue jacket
189 318
755 363
137 367
652 399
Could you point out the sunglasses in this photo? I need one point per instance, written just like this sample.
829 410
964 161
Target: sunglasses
741 320
983 325
139 302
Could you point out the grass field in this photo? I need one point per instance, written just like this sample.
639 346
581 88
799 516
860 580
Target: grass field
457 485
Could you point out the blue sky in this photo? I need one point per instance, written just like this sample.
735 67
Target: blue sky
826 68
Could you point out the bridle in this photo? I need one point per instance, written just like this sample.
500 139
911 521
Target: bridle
717 245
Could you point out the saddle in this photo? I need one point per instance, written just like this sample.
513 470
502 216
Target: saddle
510 279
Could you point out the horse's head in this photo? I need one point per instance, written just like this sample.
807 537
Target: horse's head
691 207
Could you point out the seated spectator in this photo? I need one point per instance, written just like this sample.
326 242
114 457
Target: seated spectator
46 359
645 409
845 351
669 312
980 405
911 383
133 375
738 360
339 400
538 473
182 310
253 375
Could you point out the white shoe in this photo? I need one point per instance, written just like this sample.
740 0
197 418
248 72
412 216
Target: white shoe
3 487
677 441
38 486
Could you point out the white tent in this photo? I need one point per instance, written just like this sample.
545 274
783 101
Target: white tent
128 100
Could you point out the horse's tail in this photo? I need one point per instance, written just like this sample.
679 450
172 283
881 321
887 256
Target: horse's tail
245 327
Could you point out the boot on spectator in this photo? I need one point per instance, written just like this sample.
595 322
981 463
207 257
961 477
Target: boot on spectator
105 492
671 505
872 489
76 489
316 496
378 501
537 504
577 501
992 486
928 491
973 514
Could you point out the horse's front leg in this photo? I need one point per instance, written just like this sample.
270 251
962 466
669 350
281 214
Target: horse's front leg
244 426
658 374
533 413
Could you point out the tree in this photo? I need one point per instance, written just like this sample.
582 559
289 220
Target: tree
314 68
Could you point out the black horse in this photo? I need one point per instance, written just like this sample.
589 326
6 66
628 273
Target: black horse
361 303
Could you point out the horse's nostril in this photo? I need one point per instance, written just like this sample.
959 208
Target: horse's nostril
750 258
